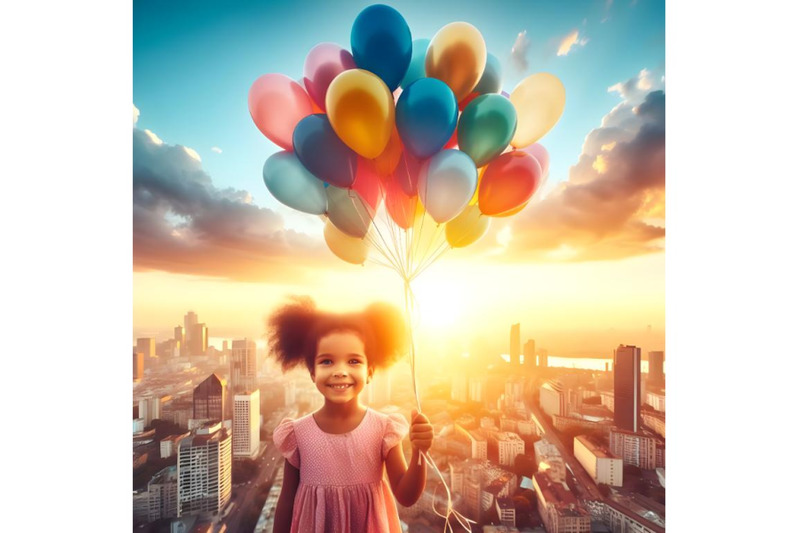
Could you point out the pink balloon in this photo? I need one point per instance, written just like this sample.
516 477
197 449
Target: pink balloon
323 63
277 103
540 153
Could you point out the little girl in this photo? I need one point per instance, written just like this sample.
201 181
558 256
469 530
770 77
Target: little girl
335 457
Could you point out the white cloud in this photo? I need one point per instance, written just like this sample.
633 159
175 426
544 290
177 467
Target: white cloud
192 153
216 149
153 137
573 39
135 114
519 51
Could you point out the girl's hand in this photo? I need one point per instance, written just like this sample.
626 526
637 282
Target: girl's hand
421 432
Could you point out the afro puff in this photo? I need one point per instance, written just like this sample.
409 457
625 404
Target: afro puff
295 328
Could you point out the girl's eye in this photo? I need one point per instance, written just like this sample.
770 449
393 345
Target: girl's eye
355 361
325 361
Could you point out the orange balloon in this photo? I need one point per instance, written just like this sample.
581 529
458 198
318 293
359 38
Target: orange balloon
402 207
385 163
457 56
361 111
513 211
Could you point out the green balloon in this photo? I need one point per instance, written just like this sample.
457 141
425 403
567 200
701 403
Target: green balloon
486 127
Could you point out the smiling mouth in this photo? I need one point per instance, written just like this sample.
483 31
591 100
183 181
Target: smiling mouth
341 386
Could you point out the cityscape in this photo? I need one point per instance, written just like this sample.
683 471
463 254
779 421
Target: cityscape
521 443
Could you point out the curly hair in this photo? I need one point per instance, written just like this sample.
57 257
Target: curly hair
295 328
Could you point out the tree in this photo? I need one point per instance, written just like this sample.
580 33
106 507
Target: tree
524 465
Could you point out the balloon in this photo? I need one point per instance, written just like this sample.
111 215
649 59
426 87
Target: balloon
348 212
515 210
406 175
508 182
323 153
446 184
402 207
427 114
344 246
540 153
277 103
457 56
416 69
291 184
323 63
368 184
467 227
453 142
492 79
486 127
390 157
361 111
381 43
539 100
474 199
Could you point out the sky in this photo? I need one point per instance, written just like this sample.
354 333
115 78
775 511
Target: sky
587 254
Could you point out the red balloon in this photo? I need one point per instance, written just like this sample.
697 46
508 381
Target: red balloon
406 175
467 99
509 181
540 153
277 103
401 206
368 184
453 142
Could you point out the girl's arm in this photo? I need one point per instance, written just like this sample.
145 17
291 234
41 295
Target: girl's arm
283 511
408 482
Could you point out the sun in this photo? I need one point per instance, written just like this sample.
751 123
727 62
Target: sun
440 301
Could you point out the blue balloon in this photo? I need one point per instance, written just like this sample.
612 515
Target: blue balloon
291 184
416 69
492 79
322 152
426 116
447 184
381 43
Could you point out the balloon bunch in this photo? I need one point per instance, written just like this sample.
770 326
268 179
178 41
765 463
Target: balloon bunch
406 148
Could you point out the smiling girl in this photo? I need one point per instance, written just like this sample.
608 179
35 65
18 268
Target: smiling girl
336 456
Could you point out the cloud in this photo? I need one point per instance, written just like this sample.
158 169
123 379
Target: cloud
135 114
612 205
519 51
216 149
569 41
182 223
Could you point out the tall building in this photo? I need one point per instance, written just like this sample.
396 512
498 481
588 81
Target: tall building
189 320
514 349
477 388
655 369
147 346
151 408
553 398
598 461
542 358
138 366
179 336
627 387
635 449
509 445
244 366
246 411
529 353
208 399
204 471
198 339
162 491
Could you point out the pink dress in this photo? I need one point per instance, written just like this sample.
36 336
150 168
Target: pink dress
342 487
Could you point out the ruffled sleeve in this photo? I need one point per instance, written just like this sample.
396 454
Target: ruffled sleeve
284 438
396 429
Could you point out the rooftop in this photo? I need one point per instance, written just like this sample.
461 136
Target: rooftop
595 447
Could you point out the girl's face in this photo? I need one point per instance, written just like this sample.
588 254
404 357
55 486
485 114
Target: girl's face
341 369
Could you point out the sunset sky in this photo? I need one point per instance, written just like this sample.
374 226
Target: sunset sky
586 255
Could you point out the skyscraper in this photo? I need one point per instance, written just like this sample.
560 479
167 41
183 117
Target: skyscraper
204 471
244 366
627 387
198 339
138 366
180 337
208 399
246 410
514 350
655 364
147 346
529 351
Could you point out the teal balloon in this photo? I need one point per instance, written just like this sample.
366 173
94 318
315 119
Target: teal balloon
492 79
486 127
348 212
293 185
447 183
416 69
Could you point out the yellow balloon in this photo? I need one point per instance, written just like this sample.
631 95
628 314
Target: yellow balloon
361 111
344 246
474 199
539 101
467 227
457 56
